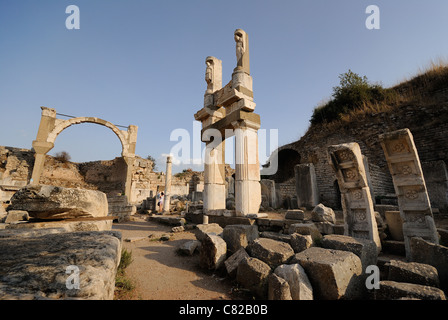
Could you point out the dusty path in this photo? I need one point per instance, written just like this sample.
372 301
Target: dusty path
159 273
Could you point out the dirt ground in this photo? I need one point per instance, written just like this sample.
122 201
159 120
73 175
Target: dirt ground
159 273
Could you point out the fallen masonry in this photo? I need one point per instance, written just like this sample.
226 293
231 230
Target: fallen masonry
299 262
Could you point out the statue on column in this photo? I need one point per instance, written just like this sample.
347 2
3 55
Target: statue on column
242 51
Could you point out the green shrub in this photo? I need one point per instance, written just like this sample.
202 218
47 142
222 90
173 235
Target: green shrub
353 93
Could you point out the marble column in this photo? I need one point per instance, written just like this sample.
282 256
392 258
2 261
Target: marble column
167 197
247 168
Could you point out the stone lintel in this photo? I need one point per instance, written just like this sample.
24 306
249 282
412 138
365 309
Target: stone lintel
228 95
207 112
235 117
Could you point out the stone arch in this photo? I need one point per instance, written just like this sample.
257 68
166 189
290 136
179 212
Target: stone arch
50 127
64 124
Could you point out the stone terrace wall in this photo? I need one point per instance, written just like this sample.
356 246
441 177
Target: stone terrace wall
108 176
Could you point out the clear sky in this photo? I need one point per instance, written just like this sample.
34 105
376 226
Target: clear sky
142 62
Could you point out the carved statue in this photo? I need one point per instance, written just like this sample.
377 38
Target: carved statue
209 75
242 51
239 46
213 74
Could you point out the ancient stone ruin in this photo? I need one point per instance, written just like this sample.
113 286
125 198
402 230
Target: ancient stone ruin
344 218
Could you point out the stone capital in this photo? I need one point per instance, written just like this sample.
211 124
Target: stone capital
42 147
48 112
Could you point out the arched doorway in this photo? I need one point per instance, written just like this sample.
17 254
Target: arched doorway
50 127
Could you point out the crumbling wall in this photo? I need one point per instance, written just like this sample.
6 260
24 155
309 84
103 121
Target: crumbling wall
428 124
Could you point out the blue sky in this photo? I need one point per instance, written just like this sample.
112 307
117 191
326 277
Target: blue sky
142 62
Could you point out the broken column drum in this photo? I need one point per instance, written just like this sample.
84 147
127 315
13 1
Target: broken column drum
410 187
228 111
359 216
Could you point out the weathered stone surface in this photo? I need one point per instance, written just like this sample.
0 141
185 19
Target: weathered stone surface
276 236
239 236
295 214
252 274
33 263
300 242
435 255
413 272
272 252
334 274
50 202
16 215
390 290
299 284
322 213
306 185
356 198
67 226
204 229
189 247
305 228
278 288
365 249
234 260
410 187
213 252
325 227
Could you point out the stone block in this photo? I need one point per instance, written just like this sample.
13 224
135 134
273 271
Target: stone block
276 236
306 185
50 202
253 274
433 254
189 247
300 242
203 229
305 228
365 249
234 260
325 227
322 213
392 290
334 274
278 288
212 253
413 272
299 284
239 236
33 264
295 214
272 252
16 215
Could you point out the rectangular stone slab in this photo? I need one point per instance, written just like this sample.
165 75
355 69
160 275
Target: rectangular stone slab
410 187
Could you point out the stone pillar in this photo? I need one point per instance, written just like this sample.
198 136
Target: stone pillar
166 200
410 187
247 168
359 216
306 185
128 184
214 195
41 146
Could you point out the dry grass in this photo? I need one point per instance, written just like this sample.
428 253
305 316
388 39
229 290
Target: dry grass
421 89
